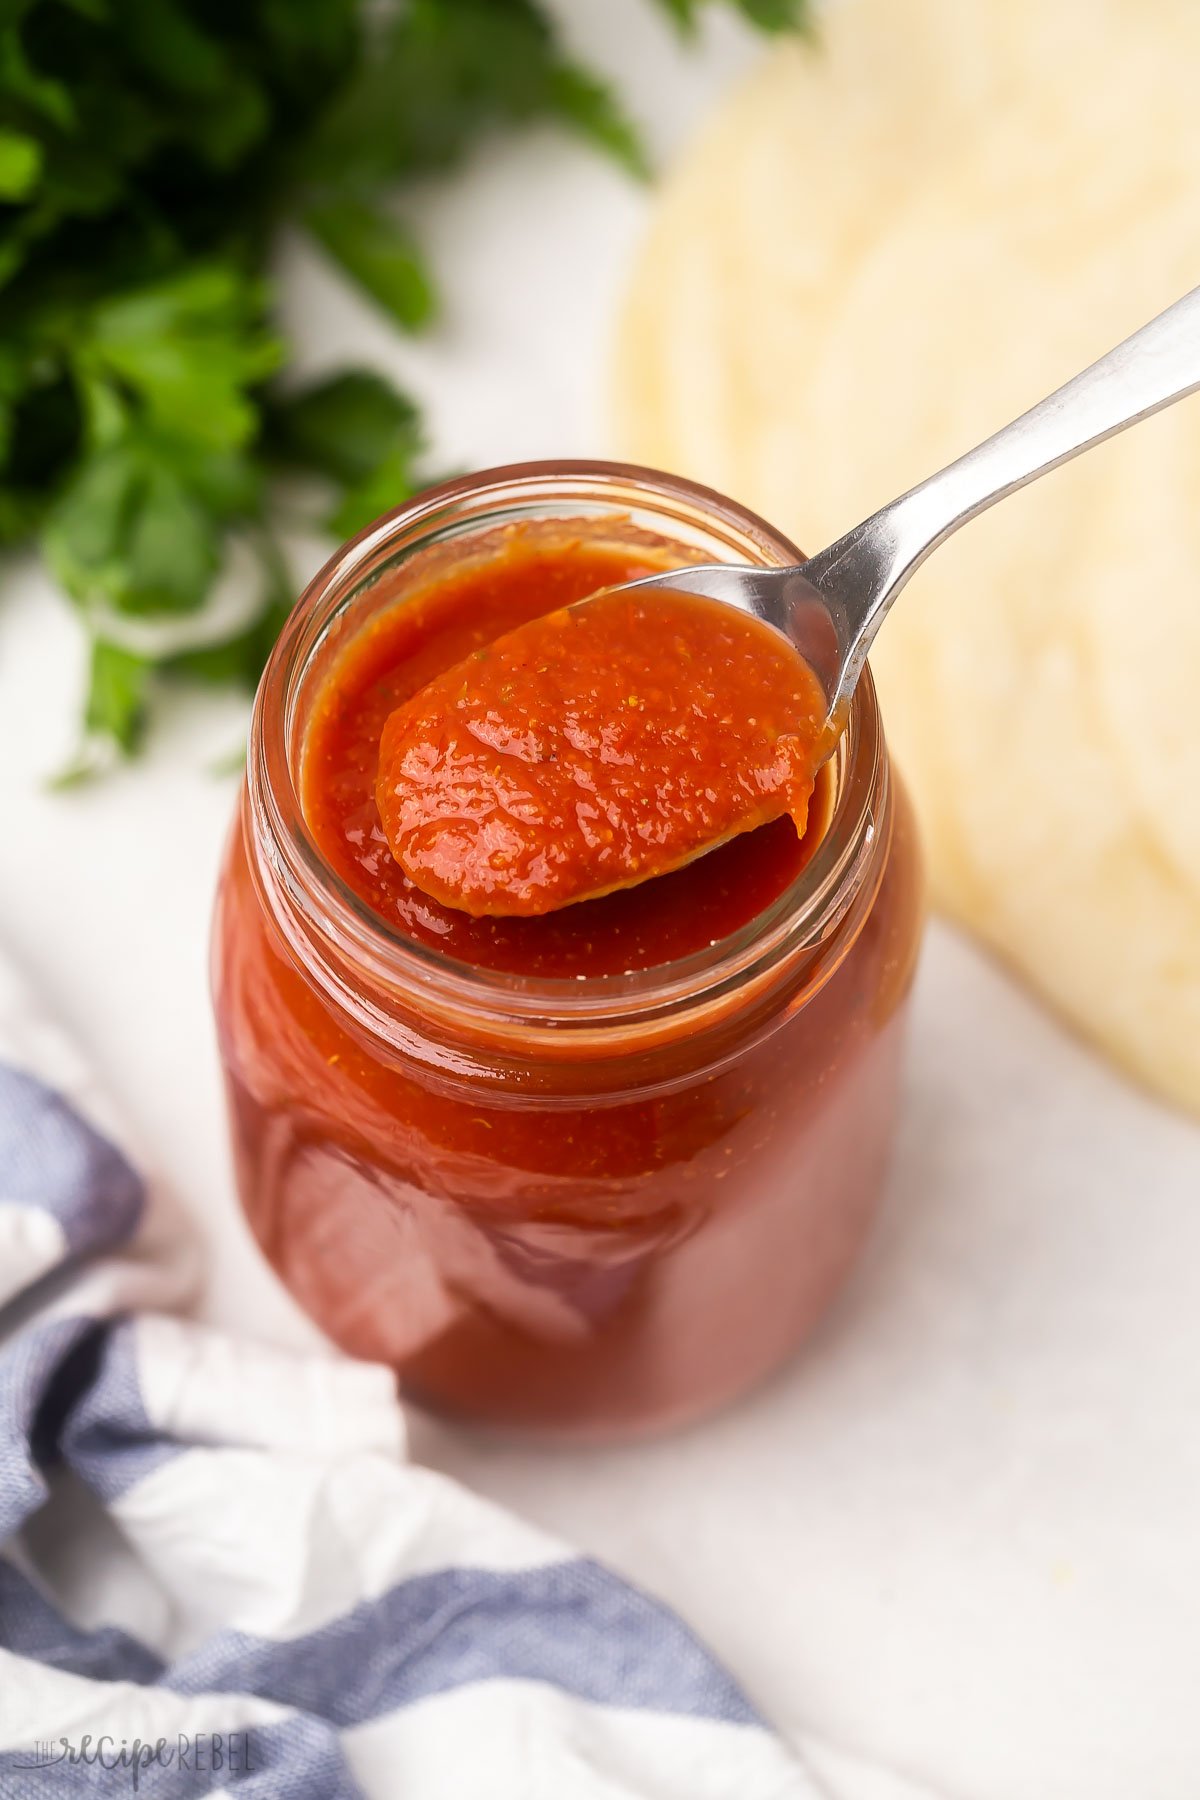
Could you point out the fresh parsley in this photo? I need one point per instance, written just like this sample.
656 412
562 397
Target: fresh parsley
149 152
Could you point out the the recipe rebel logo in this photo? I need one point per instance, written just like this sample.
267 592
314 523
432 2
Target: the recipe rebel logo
221 1753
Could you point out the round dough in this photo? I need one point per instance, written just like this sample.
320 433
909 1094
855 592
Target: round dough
878 254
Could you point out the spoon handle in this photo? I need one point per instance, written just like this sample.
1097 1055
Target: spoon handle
861 574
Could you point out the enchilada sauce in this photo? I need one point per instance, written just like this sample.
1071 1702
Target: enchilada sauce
595 748
584 1233
587 783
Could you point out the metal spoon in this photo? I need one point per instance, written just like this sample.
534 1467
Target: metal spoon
832 605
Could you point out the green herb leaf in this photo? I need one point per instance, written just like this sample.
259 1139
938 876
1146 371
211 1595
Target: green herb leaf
238 660
377 253
588 106
225 109
91 9
25 85
343 426
686 13
388 485
778 15
171 552
21 161
115 708
768 15
137 531
190 348
87 532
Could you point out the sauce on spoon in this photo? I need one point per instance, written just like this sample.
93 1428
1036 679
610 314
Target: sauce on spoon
594 748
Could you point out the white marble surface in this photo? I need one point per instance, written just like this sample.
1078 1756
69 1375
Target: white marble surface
961 1536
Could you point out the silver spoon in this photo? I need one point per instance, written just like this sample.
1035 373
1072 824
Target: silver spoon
832 605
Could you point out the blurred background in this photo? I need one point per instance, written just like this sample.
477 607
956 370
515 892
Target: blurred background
959 1537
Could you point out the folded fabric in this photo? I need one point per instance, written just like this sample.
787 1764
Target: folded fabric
219 1574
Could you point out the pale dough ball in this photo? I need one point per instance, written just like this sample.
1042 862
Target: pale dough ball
881 251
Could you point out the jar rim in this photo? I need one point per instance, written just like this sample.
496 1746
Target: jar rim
323 916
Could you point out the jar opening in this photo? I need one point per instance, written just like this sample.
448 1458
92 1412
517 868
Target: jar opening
327 924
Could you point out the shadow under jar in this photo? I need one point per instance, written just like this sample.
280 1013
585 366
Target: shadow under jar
590 1175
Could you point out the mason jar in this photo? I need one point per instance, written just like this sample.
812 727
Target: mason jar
588 1207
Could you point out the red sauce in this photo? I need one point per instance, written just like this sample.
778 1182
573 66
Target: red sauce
410 646
596 747
586 1230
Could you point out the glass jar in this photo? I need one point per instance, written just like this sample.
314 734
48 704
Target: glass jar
591 1207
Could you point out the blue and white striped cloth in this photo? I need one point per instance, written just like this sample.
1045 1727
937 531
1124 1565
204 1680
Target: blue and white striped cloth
210 1544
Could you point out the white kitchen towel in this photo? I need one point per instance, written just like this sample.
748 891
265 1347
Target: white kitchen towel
219 1574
